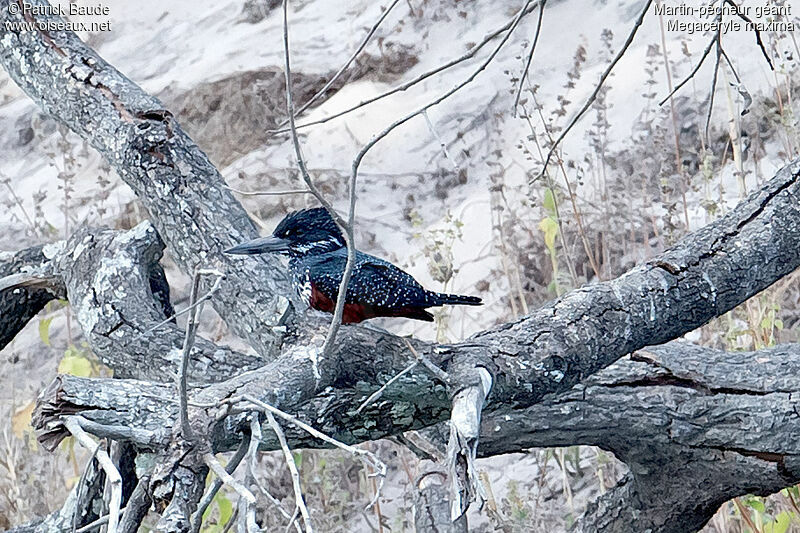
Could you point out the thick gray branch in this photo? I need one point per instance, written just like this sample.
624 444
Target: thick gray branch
116 287
181 189
19 304
549 351
673 413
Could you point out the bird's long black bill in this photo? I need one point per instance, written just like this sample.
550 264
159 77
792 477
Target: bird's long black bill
263 245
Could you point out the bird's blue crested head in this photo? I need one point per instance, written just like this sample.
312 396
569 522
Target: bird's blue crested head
310 231
301 233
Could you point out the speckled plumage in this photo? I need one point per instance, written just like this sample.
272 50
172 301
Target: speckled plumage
317 259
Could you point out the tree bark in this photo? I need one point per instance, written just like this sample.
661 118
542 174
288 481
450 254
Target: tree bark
19 304
666 409
183 192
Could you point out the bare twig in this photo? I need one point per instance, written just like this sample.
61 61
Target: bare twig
691 74
268 193
378 466
759 42
730 64
211 492
118 432
290 110
243 492
713 86
73 425
188 342
597 88
469 54
377 393
252 461
377 138
442 144
81 486
293 520
530 57
427 363
7 182
137 507
298 489
200 301
345 226
344 67
103 520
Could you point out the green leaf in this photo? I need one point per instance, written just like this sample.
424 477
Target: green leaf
224 512
44 330
225 508
75 364
549 227
756 504
549 202
780 525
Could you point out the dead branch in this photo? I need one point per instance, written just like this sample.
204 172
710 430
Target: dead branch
137 507
243 492
211 492
73 425
299 499
432 506
195 215
677 406
344 67
347 227
603 77
528 61
118 292
469 54
196 306
18 304
369 458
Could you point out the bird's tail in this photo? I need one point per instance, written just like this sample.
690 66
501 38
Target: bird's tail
456 299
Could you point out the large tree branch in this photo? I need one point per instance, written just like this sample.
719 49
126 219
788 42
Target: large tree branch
707 274
183 192
695 426
116 287
673 413
527 361
21 302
